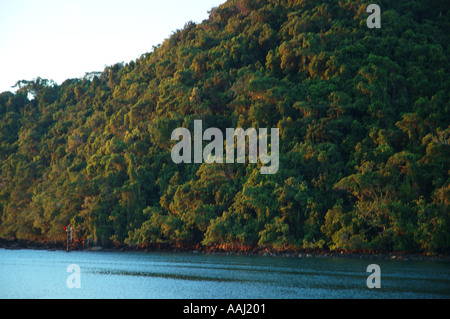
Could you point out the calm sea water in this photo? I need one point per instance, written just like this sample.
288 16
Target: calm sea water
43 274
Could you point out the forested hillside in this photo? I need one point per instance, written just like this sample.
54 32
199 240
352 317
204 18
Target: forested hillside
363 116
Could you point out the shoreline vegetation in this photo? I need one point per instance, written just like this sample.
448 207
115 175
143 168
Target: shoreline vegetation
364 136
228 249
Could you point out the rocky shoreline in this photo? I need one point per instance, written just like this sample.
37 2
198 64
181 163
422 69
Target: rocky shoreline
15 244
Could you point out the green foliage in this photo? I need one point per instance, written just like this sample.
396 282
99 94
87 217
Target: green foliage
364 134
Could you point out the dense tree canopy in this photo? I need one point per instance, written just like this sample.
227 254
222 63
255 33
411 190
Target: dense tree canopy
364 128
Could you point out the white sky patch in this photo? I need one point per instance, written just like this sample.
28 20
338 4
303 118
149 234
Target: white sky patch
74 20
59 40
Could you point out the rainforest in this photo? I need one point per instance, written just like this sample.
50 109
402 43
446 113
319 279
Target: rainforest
364 138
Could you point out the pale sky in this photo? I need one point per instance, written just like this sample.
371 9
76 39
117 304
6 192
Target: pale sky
63 39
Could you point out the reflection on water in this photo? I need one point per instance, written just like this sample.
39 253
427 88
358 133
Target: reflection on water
43 274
